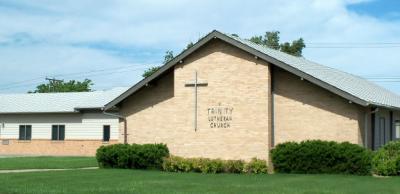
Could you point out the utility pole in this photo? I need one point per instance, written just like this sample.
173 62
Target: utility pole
53 82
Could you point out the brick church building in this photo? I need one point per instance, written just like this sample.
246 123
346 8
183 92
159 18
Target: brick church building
229 98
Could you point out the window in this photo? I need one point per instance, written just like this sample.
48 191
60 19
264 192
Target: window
106 133
25 132
58 132
397 129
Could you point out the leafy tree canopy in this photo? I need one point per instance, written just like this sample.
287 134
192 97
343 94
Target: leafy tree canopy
62 86
271 40
189 45
169 55
150 71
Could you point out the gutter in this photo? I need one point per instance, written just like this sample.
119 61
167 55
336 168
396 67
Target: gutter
125 124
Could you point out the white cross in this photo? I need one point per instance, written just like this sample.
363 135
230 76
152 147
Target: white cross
195 83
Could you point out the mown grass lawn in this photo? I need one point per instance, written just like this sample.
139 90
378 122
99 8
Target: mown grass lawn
138 181
46 162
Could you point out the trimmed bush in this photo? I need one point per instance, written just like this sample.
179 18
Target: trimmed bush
386 161
205 165
112 156
234 166
256 166
316 156
135 156
177 164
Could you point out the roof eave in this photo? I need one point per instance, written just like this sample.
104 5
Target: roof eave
87 108
385 106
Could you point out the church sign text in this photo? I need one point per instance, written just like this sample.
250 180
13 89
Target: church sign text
220 116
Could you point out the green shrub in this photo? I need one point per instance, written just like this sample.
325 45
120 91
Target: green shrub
256 166
386 160
147 156
151 155
206 165
316 156
234 166
215 166
177 164
111 156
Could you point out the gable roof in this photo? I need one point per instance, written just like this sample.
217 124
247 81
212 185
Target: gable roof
67 102
348 86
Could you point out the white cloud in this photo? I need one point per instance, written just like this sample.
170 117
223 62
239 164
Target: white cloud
155 26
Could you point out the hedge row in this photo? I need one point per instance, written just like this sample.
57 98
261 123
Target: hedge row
309 157
316 156
386 160
135 156
205 165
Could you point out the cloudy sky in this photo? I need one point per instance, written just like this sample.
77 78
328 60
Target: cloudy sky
112 42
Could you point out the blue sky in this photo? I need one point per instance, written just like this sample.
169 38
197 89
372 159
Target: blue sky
383 9
112 42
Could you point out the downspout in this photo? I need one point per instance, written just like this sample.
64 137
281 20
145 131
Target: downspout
366 129
272 110
125 124
391 126
271 132
373 127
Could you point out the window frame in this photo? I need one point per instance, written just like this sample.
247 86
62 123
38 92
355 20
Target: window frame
397 129
105 138
56 134
25 130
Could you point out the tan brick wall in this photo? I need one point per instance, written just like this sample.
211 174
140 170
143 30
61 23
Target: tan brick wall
52 148
306 111
164 112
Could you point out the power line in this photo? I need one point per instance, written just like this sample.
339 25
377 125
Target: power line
21 82
392 81
79 76
361 47
353 43
99 70
324 45
87 73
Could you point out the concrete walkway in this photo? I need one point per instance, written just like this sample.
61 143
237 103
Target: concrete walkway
44 170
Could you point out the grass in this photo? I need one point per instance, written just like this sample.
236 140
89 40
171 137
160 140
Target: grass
46 162
137 181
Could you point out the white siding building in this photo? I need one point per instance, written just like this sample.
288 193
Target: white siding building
57 123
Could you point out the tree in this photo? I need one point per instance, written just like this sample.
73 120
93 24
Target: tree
271 40
188 46
62 86
169 55
295 48
150 71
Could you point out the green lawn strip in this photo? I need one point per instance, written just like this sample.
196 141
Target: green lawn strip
137 181
46 162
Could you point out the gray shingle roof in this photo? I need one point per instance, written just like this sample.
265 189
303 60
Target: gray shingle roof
351 84
351 87
56 102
